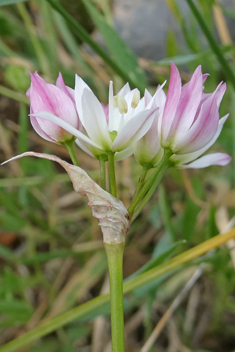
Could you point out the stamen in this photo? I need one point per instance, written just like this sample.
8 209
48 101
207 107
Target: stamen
135 99
122 105
115 101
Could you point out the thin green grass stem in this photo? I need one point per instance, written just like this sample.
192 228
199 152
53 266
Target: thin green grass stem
9 93
115 263
214 46
129 286
112 177
148 184
43 62
69 146
82 34
102 173
152 189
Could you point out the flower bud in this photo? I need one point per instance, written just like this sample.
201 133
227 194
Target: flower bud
54 100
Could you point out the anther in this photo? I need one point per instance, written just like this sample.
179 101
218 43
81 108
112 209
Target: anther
120 103
135 99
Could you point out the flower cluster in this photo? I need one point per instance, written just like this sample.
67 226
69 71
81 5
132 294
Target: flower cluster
185 121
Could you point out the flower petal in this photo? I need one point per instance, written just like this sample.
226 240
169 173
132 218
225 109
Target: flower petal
95 122
60 84
111 108
80 85
125 89
39 130
173 96
48 97
147 147
56 120
123 154
134 129
187 107
185 158
205 126
208 160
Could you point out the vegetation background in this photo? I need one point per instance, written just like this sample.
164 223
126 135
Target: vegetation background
51 253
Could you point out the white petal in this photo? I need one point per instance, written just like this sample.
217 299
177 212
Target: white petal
134 129
95 121
50 117
111 107
123 154
80 85
208 160
125 89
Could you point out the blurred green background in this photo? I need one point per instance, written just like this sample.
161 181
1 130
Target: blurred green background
51 253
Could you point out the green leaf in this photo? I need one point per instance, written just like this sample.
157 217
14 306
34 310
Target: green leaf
186 59
83 35
9 2
10 222
120 51
189 219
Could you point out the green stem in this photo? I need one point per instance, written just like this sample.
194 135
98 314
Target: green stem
115 259
148 184
94 305
150 192
112 178
102 173
69 146
214 46
140 184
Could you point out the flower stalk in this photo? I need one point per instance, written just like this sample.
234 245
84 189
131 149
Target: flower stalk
112 178
102 173
152 189
149 183
69 147
115 265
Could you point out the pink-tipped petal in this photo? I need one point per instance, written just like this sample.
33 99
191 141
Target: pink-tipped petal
134 129
208 160
188 104
204 77
39 131
205 126
186 158
172 100
47 97
95 122
60 84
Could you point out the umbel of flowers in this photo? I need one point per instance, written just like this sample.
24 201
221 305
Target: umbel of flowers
161 130
185 121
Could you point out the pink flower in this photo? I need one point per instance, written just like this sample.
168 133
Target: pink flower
190 122
49 99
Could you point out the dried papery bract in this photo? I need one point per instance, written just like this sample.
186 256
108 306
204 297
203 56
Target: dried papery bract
110 211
